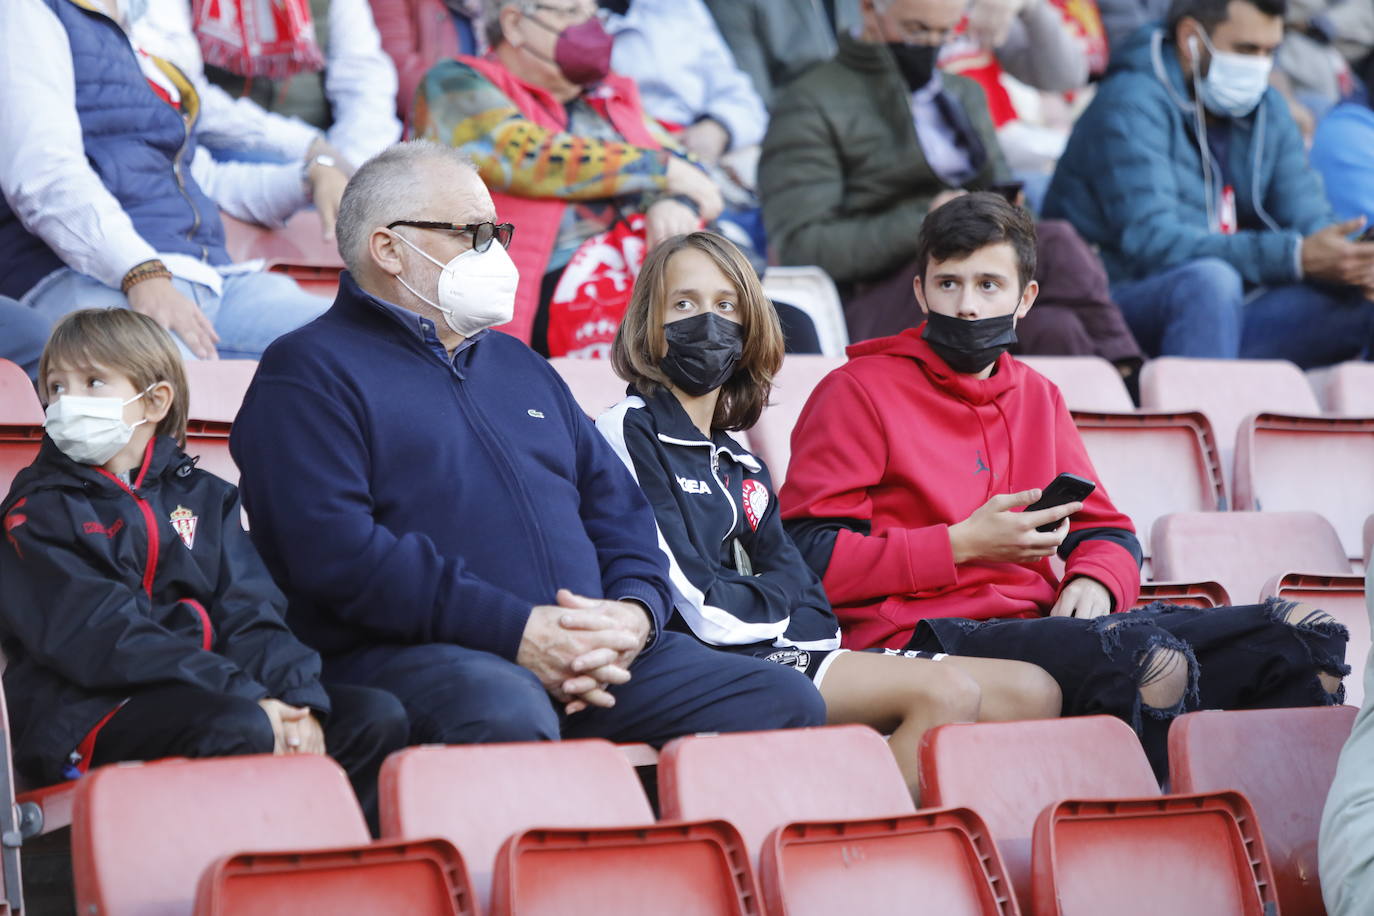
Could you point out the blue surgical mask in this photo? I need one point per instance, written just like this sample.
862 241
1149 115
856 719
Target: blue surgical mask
1234 84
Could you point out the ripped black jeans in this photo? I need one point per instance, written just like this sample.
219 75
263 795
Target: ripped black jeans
1258 656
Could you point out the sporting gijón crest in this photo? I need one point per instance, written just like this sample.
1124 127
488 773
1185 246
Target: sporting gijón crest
184 523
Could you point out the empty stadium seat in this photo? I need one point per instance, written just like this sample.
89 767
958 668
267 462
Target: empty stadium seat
1287 781
771 436
1009 772
297 249
1087 382
695 869
1343 597
19 404
417 878
939 862
593 382
1195 855
811 290
217 387
1322 464
477 796
1244 550
142 834
1346 388
760 781
1189 594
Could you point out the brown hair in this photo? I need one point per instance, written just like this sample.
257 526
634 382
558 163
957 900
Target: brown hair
127 342
974 221
640 345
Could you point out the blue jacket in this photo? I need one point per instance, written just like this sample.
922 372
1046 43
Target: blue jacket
400 498
1132 179
139 145
1343 152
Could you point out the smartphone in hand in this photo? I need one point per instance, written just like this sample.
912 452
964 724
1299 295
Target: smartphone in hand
1066 488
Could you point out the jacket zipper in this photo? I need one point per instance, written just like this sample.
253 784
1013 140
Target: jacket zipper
149 520
734 509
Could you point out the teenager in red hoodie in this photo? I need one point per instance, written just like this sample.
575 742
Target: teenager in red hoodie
911 465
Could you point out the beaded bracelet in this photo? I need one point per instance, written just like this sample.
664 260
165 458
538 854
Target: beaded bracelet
148 270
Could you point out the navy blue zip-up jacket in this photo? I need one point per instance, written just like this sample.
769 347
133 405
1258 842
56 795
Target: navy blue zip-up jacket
402 498
738 580
106 588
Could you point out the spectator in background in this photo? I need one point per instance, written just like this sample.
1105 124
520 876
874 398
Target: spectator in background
326 71
862 147
1343 153
775 41
1191 177
1122 18
1323 41
22 335
111 202
534 604
417 34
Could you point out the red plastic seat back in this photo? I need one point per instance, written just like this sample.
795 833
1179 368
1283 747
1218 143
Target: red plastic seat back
476 796
761 780
18 448
19 404
420 878
1287 784
1188 594
217 387
1346 388
593 382
771 436
1243 550
697 869
209 442
142 834
1010 771
1181 855
942 861
1087 382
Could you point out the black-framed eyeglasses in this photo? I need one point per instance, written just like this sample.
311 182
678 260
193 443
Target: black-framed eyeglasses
482 233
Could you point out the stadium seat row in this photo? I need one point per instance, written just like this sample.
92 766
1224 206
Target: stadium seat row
1054 816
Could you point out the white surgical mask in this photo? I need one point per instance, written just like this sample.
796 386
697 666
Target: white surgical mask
90 430
1235 83
476 289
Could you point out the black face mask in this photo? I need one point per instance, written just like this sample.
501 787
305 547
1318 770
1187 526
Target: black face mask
969 346
917 62
702 352
619 7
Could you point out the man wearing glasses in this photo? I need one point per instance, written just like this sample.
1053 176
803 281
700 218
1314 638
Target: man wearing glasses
445 521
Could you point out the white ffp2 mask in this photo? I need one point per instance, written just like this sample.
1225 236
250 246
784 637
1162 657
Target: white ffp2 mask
90 430
1234 83
476 289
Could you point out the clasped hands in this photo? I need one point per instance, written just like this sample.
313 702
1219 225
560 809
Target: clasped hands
580 647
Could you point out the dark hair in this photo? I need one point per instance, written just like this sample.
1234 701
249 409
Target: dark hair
640 345
1211 13
973 221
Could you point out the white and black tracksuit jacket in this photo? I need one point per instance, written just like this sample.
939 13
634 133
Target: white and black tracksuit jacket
738 581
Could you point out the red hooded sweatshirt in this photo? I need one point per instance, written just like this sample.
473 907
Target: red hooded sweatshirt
894 447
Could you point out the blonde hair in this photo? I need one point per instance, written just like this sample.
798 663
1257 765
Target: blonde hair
640 344
127 342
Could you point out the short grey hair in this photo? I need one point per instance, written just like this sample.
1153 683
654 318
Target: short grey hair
491 17
386 188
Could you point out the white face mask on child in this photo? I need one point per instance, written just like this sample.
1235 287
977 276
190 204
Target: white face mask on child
90 430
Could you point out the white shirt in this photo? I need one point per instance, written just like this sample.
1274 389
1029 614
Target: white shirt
359 81
937 138
51 186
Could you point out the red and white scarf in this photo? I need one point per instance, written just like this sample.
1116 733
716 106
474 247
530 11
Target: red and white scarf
271 38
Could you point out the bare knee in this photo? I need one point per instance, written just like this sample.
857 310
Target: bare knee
1306 615
950 696
1164 678
1039 693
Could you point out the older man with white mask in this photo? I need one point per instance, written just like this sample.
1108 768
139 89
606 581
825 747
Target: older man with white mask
445 521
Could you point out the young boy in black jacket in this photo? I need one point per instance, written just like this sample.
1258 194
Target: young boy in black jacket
137 619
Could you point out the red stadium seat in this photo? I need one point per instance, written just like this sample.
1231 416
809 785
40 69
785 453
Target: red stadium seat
940 862
1243 550
18 447
477 796
1343 597
771 436
1195 855
298 250
1320 464
417 878
1347 388
1010 771
19 404
1287 783
217 387
1369 541
593 382
142 834
696 869
1087 382
1188 594
1154 463
761 781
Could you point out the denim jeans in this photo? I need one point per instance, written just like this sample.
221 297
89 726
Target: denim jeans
23 332
1201 308
253 309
